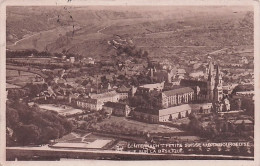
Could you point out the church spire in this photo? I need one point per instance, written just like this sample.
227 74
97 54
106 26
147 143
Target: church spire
210 75
218 76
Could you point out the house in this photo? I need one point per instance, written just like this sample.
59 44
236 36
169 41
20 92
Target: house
149 87
145 115
162 75
117 109
248 124
88 103
123 92
227 89
197 74
177 96
200 88
72 59
176 81
176 112
244 60
107 96
161 115
181 72
89 61
203 108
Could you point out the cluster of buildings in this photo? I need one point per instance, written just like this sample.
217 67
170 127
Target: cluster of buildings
108 100
179 101
172 101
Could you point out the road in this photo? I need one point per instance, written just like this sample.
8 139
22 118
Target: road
42 32
25 38
100 30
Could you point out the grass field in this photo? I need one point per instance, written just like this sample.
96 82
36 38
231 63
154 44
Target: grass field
13 77
140 126
66 110
88 140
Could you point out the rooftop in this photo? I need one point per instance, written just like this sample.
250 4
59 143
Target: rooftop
153 86
123 89
185 82
103 95
175 109
115 105
178 91
88 100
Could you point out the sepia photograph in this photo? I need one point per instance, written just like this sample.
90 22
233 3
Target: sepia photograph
129 82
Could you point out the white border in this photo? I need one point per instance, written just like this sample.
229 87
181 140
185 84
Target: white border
241 3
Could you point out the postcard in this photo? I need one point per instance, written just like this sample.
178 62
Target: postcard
129 82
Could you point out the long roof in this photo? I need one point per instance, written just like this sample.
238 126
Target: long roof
115 105
185 82
147 110
152 86
103 95
88 100
123 89
178 91
202 105
174 110
163 112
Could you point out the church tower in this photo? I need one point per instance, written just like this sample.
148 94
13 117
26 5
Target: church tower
210 83
218 90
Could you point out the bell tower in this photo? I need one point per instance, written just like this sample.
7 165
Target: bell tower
210 83
218 90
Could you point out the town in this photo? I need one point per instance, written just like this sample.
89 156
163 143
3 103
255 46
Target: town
98 96
145 88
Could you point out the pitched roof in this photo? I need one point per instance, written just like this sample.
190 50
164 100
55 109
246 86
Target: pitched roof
123 89
181 71
147 110
178 91
175 109
202 105
185 82
152 86
115 105
246 121
103 95
88 100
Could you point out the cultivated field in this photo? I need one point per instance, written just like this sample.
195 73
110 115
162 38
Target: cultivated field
13 77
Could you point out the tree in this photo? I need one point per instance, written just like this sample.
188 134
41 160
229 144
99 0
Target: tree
12 117
27 134
170 117
179 115
187 114
201 110
31 125
195 125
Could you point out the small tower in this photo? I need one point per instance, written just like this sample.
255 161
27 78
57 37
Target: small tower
109 87
151 72
210 83
169 77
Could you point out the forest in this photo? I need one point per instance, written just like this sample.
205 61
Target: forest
28 125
